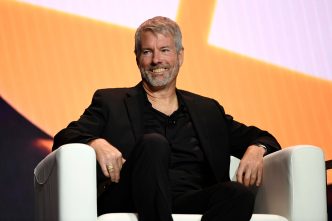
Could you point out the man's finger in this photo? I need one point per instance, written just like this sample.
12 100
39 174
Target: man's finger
259 177
253 179
103 167
115 173
247 177
239 175
110 168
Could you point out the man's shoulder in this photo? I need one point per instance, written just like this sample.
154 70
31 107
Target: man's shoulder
187 94
118 92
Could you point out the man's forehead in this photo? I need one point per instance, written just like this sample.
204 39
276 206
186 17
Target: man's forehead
161 38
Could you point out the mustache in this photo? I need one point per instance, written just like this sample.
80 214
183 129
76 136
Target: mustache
153 67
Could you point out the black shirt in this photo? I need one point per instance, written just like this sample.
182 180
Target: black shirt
188 167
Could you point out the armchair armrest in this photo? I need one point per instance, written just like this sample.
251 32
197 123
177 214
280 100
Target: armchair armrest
61 178
294 184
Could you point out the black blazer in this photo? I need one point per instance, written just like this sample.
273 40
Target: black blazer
116 115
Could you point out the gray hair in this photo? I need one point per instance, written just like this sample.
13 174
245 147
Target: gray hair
160 25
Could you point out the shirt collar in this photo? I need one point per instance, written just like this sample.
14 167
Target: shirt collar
182 105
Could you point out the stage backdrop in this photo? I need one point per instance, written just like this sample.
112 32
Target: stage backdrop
267 62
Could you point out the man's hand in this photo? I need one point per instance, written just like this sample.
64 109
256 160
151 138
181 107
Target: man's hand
250 170
109 158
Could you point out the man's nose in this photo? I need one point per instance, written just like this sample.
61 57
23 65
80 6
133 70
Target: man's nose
156 59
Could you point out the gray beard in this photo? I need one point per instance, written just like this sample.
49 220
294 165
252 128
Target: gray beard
156 82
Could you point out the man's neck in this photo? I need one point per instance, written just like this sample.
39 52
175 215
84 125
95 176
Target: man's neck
162 99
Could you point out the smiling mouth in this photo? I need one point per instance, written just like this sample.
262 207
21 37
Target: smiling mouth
158 70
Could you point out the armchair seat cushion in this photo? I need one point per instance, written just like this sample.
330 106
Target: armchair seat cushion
183 217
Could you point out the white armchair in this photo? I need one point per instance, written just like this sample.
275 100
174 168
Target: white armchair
293 188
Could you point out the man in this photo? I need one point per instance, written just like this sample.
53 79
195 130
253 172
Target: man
161 150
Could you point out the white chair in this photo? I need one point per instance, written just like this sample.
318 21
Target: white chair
293 188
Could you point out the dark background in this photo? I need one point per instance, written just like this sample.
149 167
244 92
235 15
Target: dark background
20 153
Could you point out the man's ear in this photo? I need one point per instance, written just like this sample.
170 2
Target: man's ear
181 56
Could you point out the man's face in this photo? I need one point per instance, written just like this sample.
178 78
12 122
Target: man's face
159 63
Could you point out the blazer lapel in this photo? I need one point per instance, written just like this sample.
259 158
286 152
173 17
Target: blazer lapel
134 103
199 121
212 139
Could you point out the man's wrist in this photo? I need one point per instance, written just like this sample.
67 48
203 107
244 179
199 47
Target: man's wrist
95 142
262 146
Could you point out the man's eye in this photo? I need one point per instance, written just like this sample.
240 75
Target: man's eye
146 52
165 50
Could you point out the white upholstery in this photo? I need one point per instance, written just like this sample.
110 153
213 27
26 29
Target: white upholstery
183 217
65 184
293 189
298 178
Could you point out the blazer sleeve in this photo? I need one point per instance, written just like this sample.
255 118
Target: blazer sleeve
88 127
242 136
